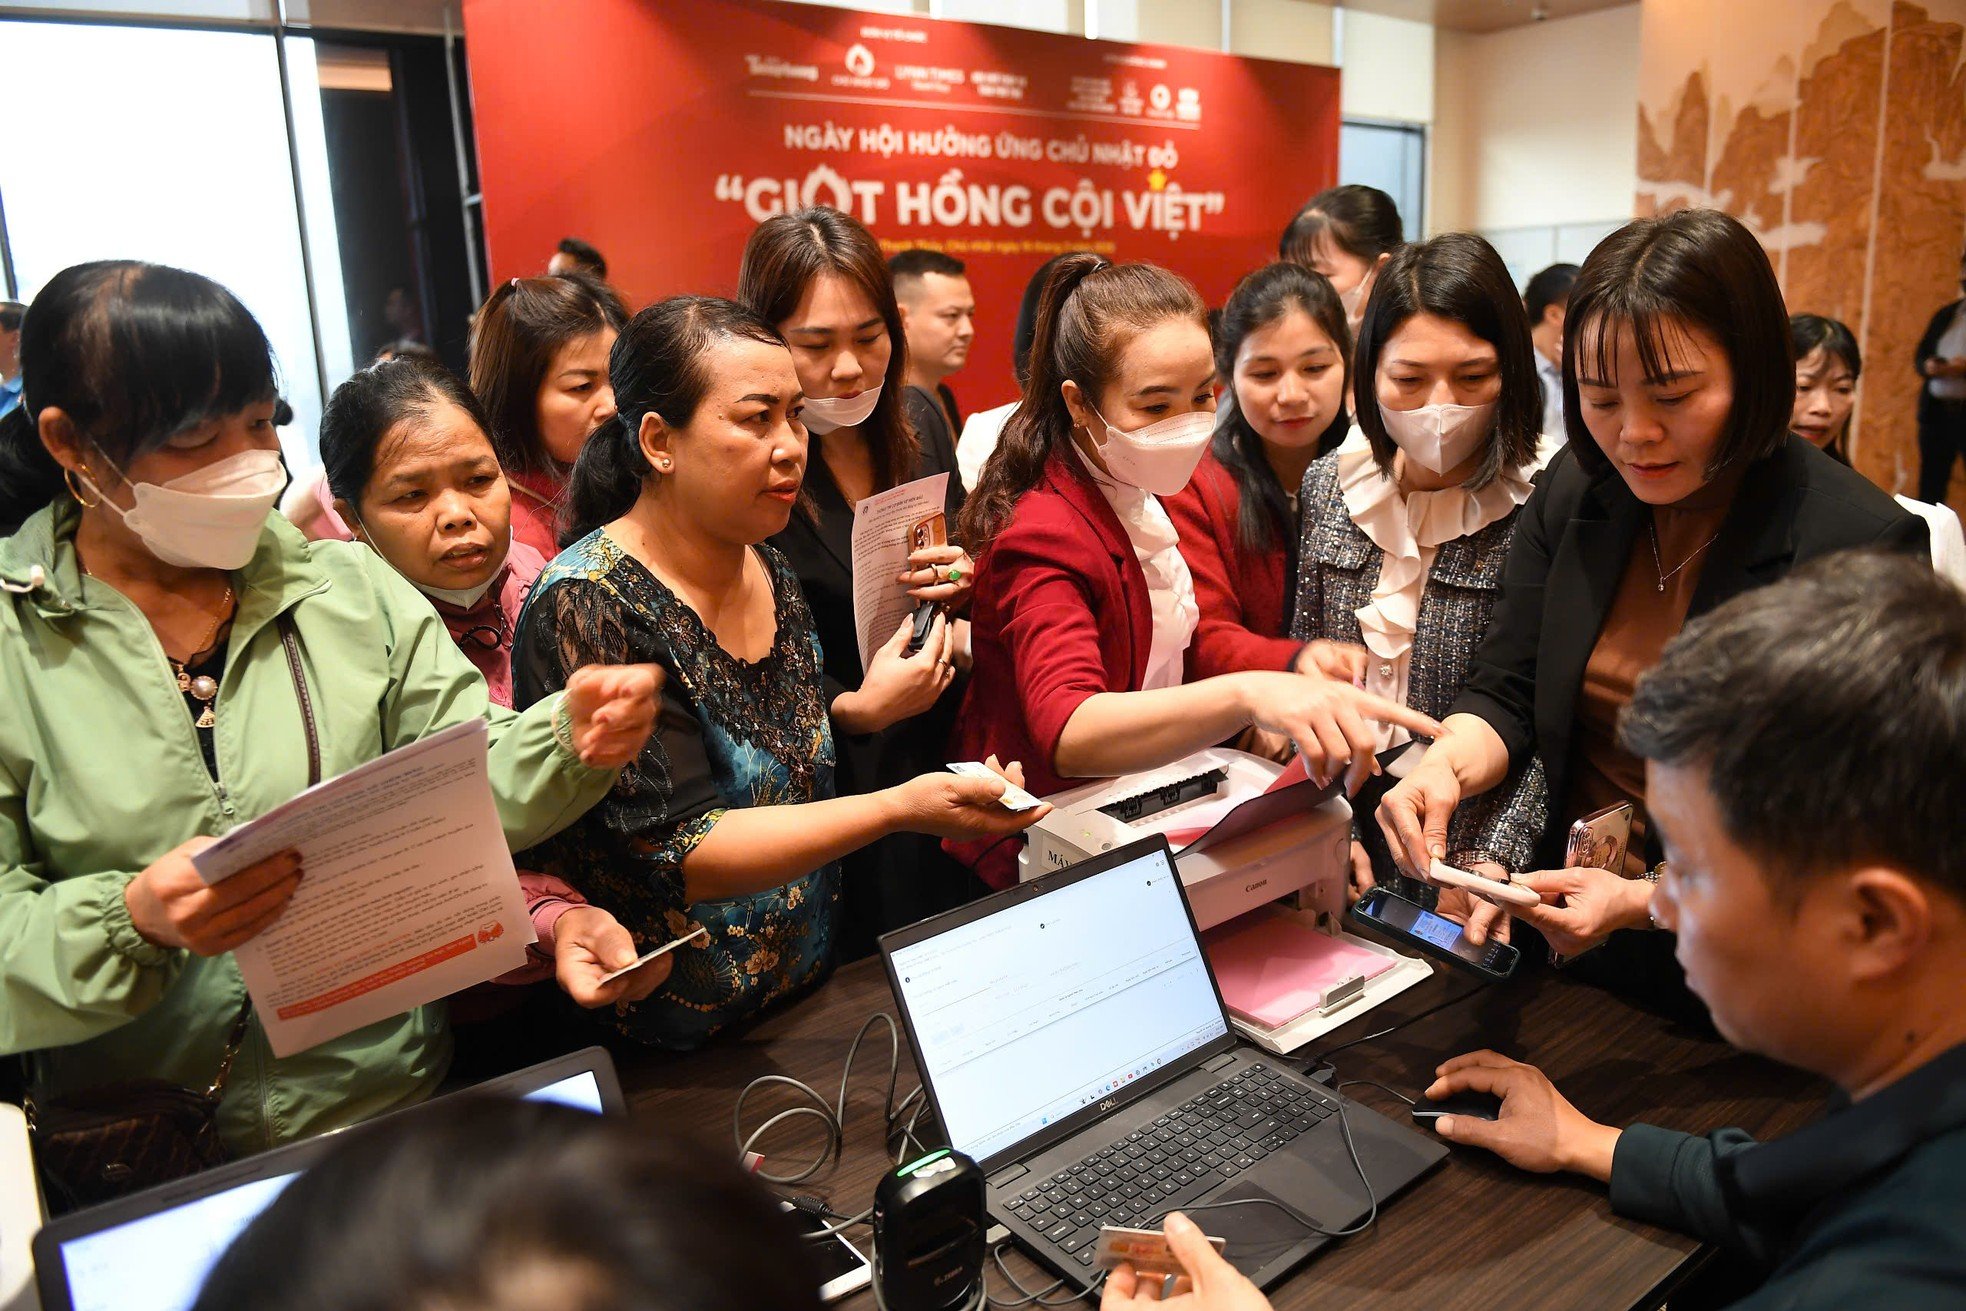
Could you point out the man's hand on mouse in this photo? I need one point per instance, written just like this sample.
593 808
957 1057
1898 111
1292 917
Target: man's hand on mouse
1536 1129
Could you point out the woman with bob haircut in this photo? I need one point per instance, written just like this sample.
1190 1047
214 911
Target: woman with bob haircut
818 278
1407 523
1680 486
1827 367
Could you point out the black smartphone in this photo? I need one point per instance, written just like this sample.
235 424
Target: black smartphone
924 621
1396 917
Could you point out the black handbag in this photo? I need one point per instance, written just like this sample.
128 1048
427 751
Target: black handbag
101 1143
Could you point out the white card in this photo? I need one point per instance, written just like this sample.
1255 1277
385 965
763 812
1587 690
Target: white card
698 932
1013 798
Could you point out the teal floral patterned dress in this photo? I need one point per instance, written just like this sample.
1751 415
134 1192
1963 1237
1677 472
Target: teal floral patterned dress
732 733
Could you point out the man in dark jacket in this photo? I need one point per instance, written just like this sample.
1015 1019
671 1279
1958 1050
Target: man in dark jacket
1941 361
1802 762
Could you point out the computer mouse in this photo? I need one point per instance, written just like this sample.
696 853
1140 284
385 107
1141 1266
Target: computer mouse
1479 1106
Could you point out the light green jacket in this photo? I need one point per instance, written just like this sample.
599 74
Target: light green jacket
100 775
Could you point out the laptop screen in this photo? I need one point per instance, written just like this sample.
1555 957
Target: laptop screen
1053 1003
159 1262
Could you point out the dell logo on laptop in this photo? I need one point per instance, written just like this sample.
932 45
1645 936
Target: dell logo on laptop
1109 1103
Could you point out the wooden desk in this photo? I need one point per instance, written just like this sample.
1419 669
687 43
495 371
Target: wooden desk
1475 1233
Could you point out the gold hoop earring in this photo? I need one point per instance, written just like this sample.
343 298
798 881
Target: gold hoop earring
68 478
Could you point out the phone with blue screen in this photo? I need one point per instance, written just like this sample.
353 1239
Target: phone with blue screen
1436 935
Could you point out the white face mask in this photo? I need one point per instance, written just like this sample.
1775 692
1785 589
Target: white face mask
1439 437
1161 457
822 414
461 597
1353 300
210 518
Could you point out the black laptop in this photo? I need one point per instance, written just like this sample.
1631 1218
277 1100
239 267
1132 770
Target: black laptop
1074 1044
151 1251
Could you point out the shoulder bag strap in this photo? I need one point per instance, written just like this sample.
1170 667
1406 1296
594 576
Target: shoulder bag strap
291 642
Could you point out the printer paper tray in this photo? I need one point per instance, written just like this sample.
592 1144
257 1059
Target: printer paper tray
1288 1037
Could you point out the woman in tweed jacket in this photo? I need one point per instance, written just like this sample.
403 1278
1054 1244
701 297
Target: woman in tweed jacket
1406 524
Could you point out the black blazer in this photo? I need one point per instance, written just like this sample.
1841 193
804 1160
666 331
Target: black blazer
1573 537
1928 346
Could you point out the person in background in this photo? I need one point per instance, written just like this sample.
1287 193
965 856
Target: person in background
404 348
818 279
1827 367
729 819
411 467
573 255
1283 347
983 429
1680 487
539 365
309 502
1941 362
1085 607
1817 885
1407 524
165 644
938 317
1545 298
1345 233
519 1206
11 314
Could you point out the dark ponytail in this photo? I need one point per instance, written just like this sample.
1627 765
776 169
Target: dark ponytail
1090 309
133 354
657 367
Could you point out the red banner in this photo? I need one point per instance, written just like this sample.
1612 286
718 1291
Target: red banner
663 132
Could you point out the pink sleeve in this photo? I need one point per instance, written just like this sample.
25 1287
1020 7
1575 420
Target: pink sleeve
547 898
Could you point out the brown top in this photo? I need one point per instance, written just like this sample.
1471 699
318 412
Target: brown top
1646 613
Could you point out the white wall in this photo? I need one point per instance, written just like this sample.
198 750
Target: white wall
1536 126
1389 67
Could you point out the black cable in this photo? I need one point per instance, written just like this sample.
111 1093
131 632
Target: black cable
1374 1083
1323 1058
1351 1146
1027 1297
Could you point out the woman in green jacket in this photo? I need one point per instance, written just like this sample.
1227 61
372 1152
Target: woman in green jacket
150 706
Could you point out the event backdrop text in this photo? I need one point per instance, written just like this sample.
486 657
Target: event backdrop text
663 132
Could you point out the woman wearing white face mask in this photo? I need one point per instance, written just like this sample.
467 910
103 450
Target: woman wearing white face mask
178 660
1345 234
1085 607
818 278
1406 524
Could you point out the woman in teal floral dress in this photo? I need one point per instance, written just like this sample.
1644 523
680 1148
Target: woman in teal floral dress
728 819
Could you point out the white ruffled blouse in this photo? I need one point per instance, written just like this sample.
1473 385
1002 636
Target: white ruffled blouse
1410 529
1170 587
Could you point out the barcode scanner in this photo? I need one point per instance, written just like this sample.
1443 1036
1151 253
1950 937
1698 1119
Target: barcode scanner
929 1224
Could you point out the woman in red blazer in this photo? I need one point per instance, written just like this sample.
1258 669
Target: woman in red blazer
1284 349
1083 608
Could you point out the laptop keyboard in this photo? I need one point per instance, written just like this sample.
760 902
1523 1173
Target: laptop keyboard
1205 1141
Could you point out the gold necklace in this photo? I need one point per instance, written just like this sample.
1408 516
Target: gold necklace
204 687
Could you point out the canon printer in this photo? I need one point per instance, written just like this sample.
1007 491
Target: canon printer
1251 838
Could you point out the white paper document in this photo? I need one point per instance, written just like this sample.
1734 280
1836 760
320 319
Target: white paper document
407 891
886 527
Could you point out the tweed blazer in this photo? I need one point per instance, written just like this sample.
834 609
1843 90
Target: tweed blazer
1338 566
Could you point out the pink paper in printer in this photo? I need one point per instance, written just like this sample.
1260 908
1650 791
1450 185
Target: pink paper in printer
1272 969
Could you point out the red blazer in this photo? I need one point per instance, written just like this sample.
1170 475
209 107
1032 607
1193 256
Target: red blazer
1059 613
1244 613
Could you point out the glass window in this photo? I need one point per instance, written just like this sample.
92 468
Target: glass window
166 145
1391 157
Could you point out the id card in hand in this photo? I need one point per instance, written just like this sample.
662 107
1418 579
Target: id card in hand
698 932
1013 798
1146 1250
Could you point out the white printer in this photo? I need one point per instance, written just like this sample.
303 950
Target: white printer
1243 840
